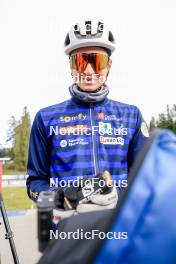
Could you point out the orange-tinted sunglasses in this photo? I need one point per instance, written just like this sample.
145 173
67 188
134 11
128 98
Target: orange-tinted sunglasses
79 61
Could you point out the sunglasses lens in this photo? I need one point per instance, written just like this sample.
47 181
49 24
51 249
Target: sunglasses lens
100 61
80 60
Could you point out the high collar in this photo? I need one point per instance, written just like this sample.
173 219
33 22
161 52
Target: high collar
86 97
76 101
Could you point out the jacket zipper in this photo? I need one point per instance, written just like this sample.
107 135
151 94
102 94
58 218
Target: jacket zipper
94 140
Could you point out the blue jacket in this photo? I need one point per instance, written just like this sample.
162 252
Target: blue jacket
72 139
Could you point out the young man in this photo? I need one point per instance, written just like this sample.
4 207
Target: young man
89 133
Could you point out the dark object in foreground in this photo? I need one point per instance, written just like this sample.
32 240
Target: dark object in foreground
67 198
9 234
45 206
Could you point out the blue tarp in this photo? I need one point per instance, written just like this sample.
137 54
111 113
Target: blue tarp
148 214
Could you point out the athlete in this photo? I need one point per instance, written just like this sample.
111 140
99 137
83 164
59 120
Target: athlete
89 133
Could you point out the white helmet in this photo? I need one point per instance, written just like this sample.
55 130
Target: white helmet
87 34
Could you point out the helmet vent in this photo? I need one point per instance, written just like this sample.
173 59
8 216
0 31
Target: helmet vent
88 25
67 40
111 37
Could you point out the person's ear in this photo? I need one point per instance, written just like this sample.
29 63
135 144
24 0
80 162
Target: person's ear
72 72
110 63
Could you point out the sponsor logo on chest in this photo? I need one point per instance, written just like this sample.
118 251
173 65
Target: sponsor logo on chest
78 117
106 128
73 142
73 129
112 140
103 116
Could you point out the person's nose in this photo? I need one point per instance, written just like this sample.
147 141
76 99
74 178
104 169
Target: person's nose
88 70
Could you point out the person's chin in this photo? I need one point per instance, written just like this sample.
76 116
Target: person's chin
89 87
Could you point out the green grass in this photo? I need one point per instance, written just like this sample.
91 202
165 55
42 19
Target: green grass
15 198
13 172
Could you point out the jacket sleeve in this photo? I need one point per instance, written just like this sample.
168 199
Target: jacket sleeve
138 140
38 159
